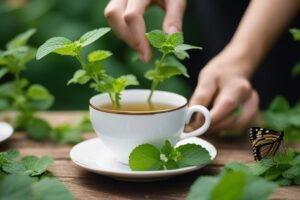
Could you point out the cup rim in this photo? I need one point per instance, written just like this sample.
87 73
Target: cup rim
139 112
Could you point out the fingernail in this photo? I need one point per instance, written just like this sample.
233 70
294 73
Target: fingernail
172 29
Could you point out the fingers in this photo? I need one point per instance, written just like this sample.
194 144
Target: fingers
248 116
229 98
174 15
204 91
134 19
126 19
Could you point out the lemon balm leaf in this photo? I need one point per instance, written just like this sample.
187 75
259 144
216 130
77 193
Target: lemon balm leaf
51 45
80 77
192 154
99 55
93 35
37 92
175 39
295 33
145 157
157 38
20 40
36 166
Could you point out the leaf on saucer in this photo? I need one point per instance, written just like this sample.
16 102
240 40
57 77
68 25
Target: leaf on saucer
192 154
145 157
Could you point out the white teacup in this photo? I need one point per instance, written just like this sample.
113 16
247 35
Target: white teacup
122 131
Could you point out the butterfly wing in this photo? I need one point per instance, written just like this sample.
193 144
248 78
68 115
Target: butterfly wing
265 142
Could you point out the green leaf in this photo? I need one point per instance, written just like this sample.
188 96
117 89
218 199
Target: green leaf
171 164
3 71
37 92
236 166
71 49
52 45
79 77
175 39
38 129
192 154
15 187
284 158
181 54
65 133
50 189
93 35
185 47
99 55
202 188
295 33
292 172
95 69
296 69
145 157
122 82
224 189
276 121
294 119
296 161
156 38
42 104
258 188
279 104
21 39
284 182
167 148
262 166
36 166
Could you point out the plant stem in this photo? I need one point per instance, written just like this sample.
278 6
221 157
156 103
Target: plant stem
79 58
18 83
155 82
117 101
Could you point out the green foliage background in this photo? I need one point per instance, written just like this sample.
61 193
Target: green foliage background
71 19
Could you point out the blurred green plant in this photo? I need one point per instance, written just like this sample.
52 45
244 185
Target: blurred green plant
166 66
18 94
296 35
28 178
93 71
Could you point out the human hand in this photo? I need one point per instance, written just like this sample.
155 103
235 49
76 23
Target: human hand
126 19
224 86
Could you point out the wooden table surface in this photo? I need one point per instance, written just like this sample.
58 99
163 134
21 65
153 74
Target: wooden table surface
87 185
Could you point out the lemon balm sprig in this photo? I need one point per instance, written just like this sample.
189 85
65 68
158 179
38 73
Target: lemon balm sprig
167 66
92 71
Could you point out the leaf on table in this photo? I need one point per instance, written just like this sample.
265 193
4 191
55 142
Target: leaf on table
145 157
15 187
223 190
202 188
65 133
51 189
36 166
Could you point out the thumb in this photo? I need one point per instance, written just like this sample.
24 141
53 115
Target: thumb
174 15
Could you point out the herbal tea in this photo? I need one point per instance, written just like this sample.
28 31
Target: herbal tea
138 106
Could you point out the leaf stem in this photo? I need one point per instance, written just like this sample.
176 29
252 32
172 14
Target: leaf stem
155 82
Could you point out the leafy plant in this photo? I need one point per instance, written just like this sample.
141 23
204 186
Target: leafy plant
296 35
167 66
281 116
28 178
92 72
235 184
18 94
283 168
148 157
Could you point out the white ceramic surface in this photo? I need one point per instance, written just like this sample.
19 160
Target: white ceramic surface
122 132
92 155
6 131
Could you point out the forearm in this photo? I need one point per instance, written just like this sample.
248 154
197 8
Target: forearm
259 29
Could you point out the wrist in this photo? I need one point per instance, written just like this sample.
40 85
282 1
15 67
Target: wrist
245 55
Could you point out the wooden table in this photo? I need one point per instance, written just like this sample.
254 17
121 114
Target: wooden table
87 185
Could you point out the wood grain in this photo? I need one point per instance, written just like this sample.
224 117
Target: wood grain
87 185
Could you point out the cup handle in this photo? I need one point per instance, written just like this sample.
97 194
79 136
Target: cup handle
203 128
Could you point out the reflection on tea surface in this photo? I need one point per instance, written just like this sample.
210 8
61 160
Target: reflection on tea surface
138 106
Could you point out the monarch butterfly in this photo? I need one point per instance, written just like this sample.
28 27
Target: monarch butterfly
265 143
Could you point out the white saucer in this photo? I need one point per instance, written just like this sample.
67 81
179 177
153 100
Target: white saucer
93 156
6 131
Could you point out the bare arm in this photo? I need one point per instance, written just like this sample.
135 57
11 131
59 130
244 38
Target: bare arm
224 81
